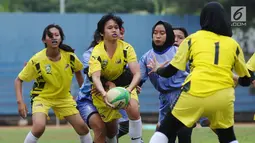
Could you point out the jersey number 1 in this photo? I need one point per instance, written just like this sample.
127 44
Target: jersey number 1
216 56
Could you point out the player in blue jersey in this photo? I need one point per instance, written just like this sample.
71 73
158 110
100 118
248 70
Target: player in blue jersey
169 88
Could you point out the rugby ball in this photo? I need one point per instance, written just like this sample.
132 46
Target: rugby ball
119 97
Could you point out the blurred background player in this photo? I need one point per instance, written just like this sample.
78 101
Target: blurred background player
163 39
180 34
103 64
52 69
210 48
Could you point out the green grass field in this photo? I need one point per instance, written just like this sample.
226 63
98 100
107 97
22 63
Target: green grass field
244 134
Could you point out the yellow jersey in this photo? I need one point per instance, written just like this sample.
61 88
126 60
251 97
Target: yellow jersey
111 68
52 79
212 58
251 63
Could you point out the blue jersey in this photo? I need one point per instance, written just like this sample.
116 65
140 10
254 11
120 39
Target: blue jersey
161 84
86 86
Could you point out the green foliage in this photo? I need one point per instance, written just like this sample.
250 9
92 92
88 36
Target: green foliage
159 7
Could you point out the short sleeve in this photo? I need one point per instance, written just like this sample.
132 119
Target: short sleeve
239 66
131 55
251 63
77 64
94 64
28 73
181 57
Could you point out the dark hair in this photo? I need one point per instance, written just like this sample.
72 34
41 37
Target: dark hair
183 30
101 23
214 18
62 46
96 38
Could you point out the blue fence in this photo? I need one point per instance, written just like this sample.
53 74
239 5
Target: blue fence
21 38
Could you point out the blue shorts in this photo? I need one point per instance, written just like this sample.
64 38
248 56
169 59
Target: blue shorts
165 102
86 109
124 117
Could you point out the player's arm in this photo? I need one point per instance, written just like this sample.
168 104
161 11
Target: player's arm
79 78
28 73
78 66
97 82
95 72
251 68
241 69
167 71
179 61
134 68
143 70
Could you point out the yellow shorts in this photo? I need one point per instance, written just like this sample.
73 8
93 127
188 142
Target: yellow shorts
108 114
62 107
218 108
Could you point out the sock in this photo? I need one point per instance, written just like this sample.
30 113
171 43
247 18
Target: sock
112 140
86 138
135 130
159 137
234 141
30 138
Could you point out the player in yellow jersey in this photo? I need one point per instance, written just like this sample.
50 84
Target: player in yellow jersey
251 67
52 69
108 60
208 91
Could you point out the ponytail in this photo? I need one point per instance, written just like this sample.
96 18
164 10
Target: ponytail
66 48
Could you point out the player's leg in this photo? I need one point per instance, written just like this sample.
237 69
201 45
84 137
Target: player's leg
90 115
40 109
66 109
221 116
135 122
184 135
80 127
109 117
185 112
111 131
165 101
123 124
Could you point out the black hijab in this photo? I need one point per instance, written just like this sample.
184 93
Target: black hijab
169 37
214 18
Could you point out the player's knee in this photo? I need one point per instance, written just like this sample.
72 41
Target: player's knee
133 110
226 135
98 127
184 135
111 133
38 128
82 129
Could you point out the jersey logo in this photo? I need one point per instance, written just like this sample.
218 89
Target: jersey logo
104 64
135 138
48 68
67 65
118 61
